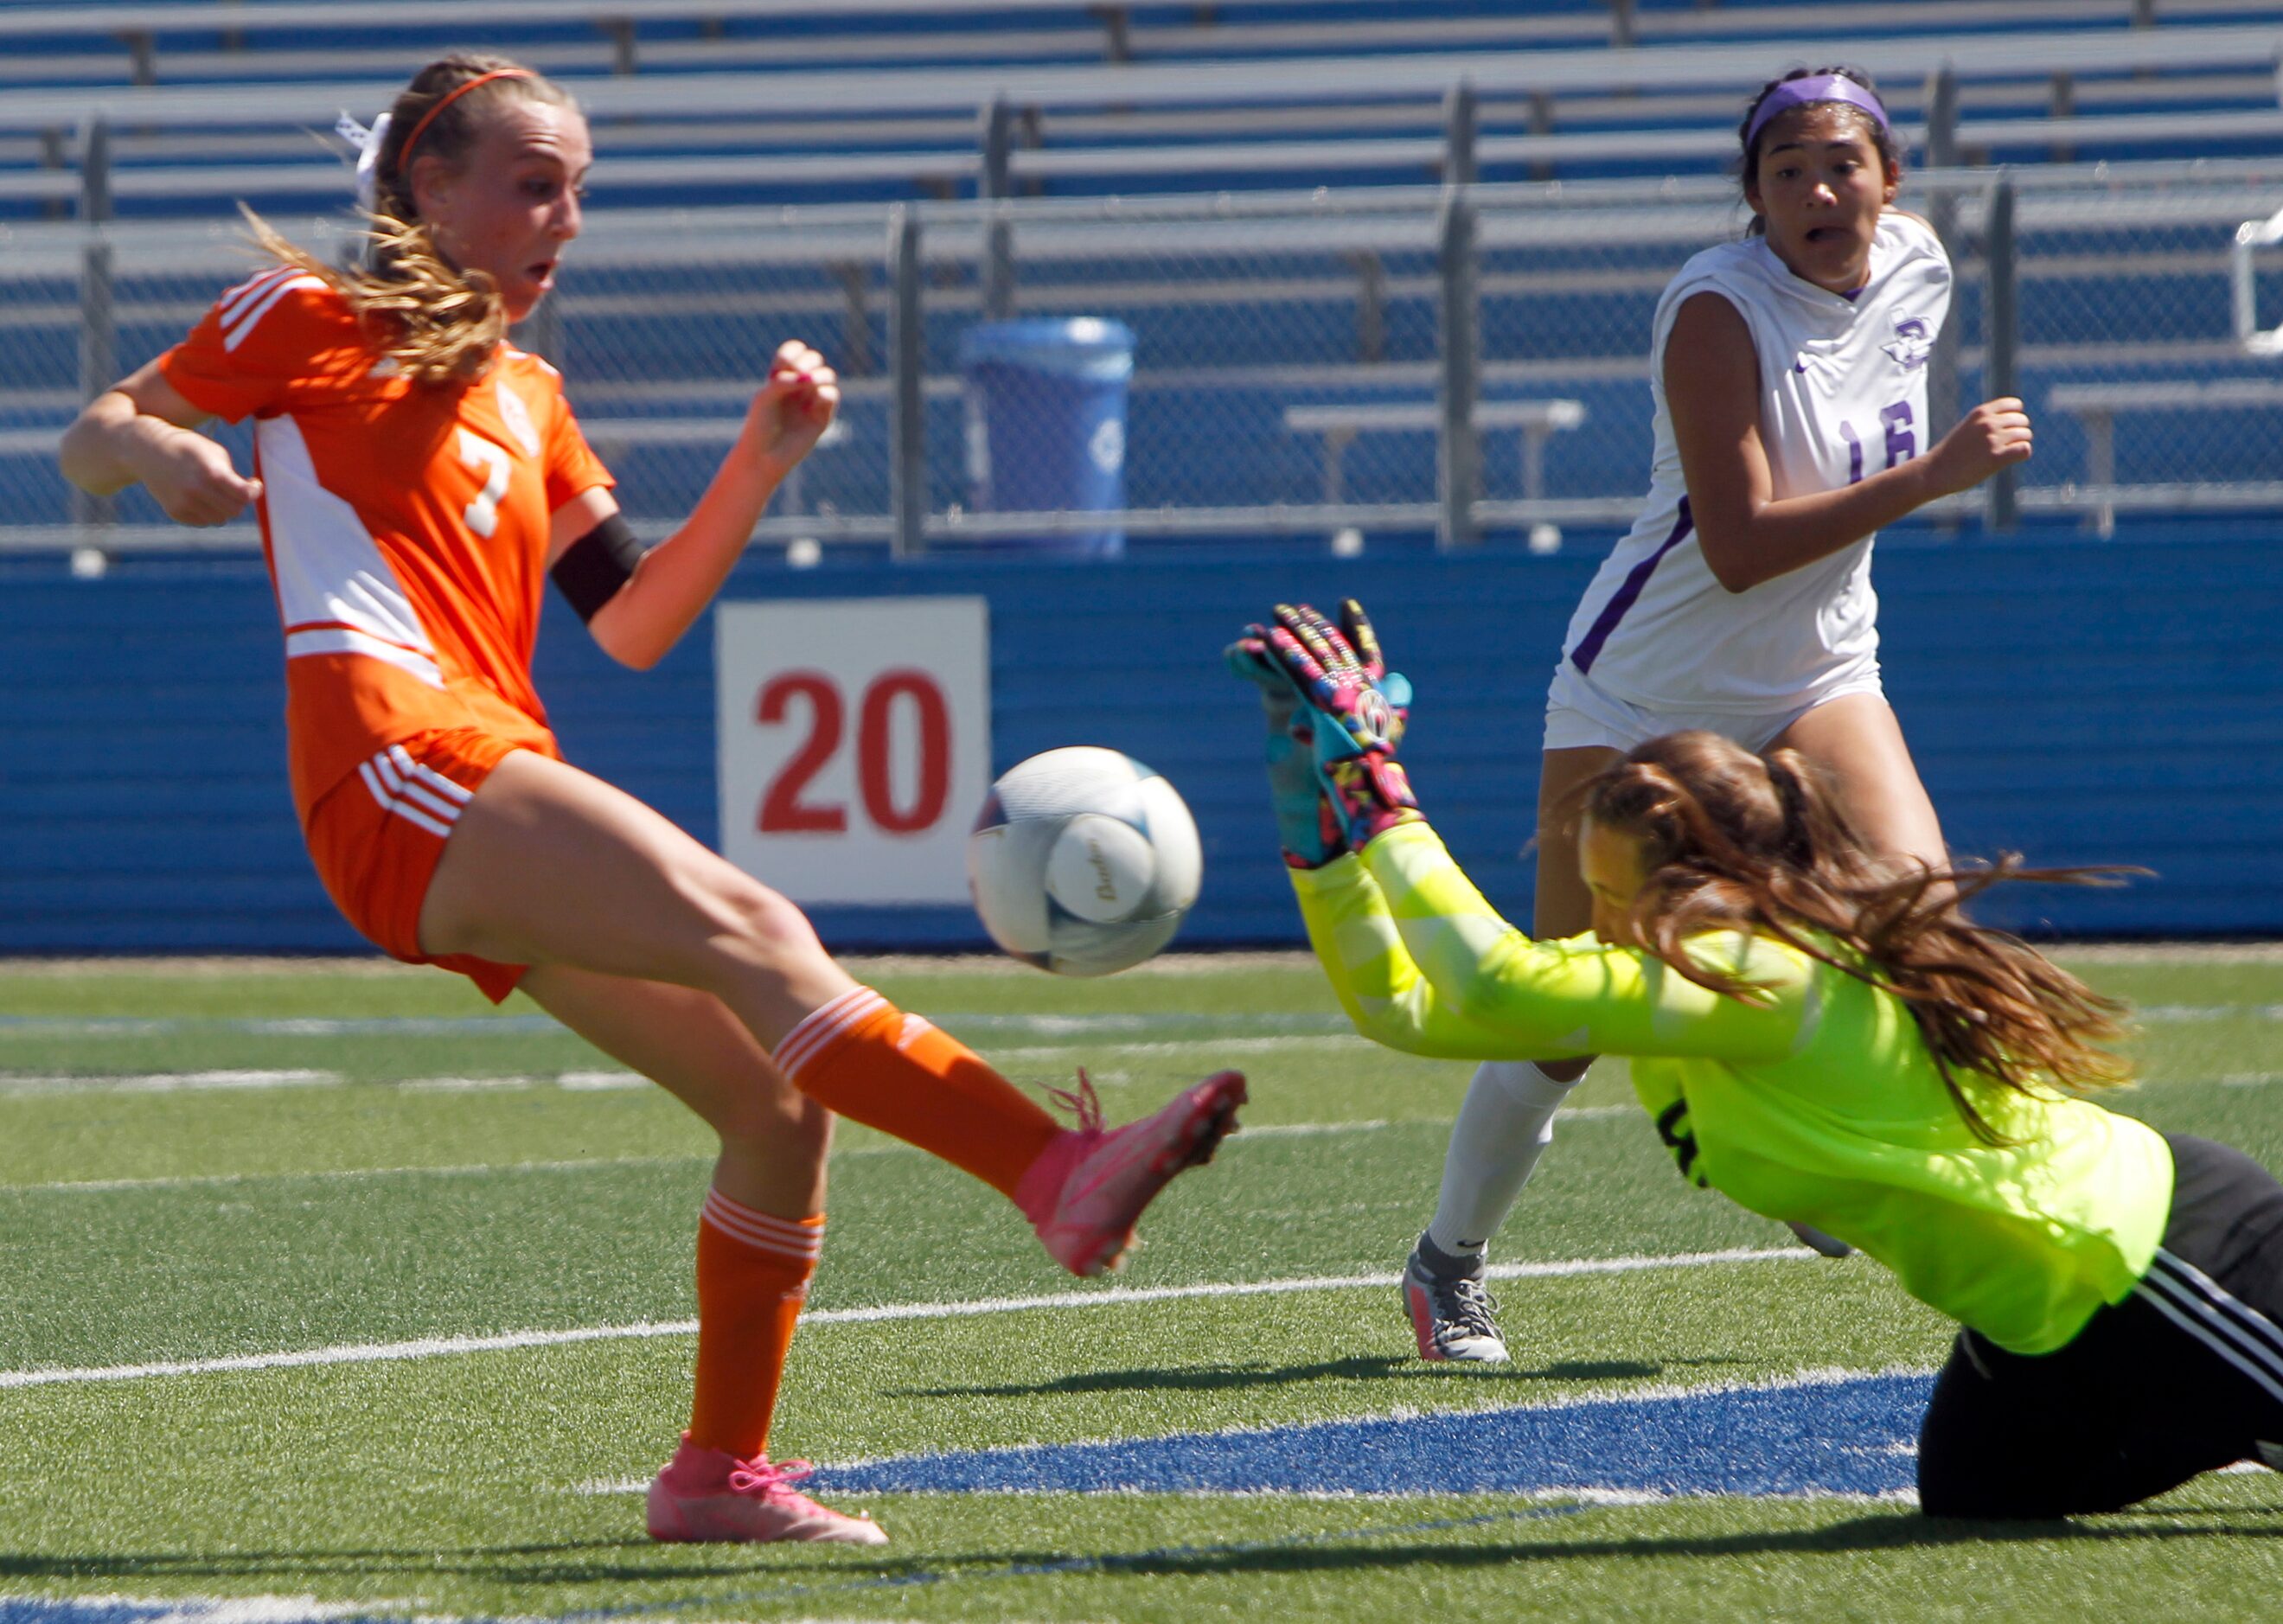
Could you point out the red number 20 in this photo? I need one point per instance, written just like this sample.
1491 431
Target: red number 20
785 811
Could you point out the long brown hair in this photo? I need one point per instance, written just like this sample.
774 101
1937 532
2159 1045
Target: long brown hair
438 324
1731 840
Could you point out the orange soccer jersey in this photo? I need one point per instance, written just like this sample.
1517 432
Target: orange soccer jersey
406 527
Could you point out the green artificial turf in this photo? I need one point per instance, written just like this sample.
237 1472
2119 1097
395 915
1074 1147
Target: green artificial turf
443 1181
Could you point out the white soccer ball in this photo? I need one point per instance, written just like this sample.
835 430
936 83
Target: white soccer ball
1083 860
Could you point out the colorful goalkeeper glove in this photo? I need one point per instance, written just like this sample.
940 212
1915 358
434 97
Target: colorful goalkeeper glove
1359 710
1340 673
1304 826
1367 794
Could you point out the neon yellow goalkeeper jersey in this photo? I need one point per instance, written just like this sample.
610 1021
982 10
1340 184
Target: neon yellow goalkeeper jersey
1817 1102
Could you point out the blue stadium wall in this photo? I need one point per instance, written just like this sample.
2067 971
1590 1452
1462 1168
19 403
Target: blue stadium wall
2076 701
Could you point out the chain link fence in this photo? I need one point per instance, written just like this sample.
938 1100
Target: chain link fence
1056 374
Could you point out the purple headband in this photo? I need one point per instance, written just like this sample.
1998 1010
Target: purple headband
1798 92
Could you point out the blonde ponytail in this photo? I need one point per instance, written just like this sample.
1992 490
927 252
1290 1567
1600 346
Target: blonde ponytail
438 324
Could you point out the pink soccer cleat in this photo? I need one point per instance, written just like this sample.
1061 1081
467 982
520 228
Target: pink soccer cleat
1086 1189
709 1497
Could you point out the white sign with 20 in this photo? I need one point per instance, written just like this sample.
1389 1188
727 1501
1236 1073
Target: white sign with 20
854 742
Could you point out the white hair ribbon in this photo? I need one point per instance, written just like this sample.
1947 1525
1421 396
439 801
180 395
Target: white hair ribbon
368 143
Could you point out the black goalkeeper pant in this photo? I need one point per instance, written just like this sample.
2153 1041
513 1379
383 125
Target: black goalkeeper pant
2184 1375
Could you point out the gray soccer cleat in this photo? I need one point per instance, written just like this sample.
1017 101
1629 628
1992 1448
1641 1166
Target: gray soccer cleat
1451 1315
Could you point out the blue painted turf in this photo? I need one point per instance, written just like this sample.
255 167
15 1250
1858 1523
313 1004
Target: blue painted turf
1849 1437
272 1609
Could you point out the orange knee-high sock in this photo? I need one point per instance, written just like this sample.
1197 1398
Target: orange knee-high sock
875 1065
752 1278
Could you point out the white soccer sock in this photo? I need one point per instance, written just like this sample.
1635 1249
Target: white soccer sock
1503 1129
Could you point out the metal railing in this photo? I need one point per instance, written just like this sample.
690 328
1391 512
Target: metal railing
1465 361
1730 67
136 31
1000 167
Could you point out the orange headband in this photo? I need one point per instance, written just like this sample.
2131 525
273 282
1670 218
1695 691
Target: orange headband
412 141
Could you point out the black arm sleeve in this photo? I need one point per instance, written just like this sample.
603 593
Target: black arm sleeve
594 567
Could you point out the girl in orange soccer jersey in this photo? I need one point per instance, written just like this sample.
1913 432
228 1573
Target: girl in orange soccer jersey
417 477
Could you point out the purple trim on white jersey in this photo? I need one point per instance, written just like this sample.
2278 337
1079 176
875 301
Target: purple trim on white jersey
1589 646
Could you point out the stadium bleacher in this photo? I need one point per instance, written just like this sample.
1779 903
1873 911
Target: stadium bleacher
1246 310
121 40
748 149
766 100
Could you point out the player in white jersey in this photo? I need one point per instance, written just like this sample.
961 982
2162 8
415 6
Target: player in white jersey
1789 372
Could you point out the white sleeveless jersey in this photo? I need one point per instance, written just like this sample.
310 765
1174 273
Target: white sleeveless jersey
1843 394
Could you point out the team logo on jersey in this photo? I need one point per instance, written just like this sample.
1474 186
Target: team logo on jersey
1913 342
516 416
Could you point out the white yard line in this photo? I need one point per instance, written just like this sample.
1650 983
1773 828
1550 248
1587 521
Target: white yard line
164 1083
576 1083
2258 952
1113 1047
431 1347
452 1170
601 1082
1049 1038
193 1180
2167 1013
1313 1130
19 1083
1105 1028
278 1025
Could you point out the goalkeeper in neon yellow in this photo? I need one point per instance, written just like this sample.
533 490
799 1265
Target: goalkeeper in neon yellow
1828 1045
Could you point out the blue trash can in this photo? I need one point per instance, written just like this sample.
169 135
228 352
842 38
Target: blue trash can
1045 423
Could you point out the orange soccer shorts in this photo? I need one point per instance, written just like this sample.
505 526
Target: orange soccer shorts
377 836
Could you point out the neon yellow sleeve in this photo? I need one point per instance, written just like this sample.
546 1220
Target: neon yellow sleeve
1371 971
1421 962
